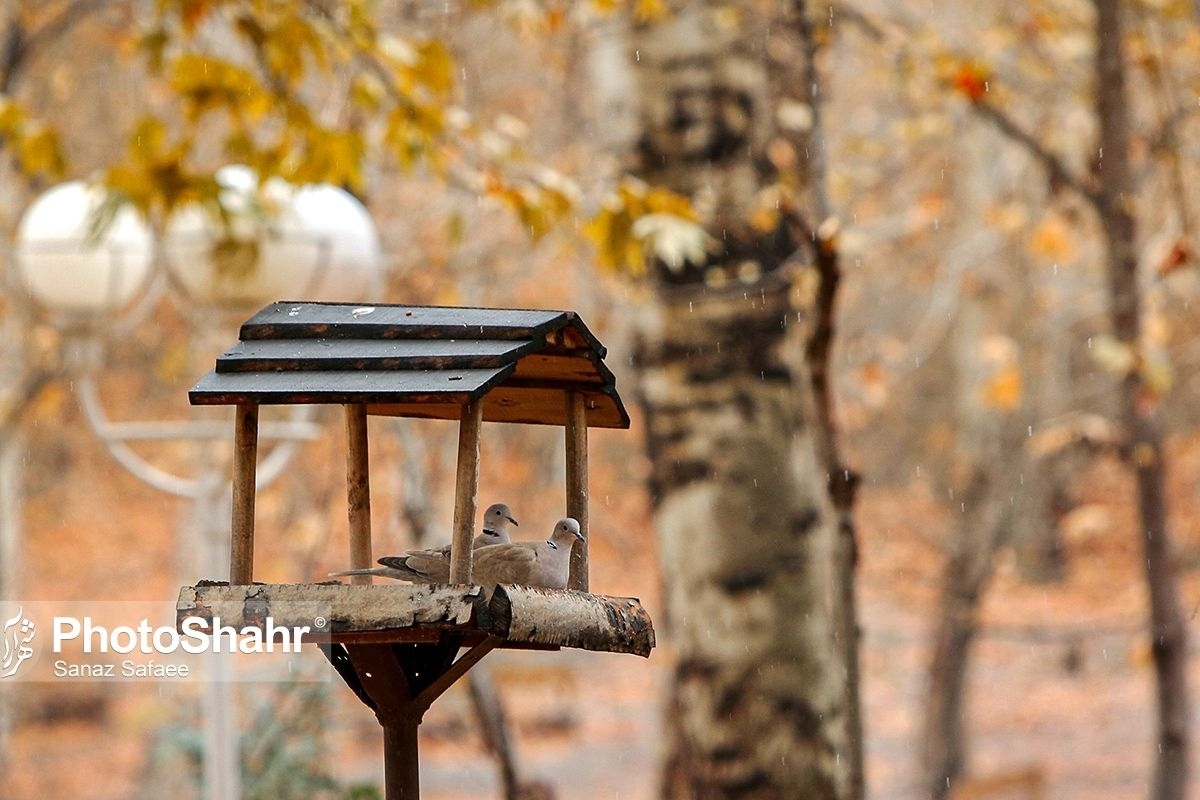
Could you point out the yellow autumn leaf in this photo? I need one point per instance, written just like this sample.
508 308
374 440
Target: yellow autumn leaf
650 10
1053 240
11 116
39 152
1004 389
434 67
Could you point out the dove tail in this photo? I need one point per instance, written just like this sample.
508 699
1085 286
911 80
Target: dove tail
370 571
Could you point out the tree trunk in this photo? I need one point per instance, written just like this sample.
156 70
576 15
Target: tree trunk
756 706
1138 407
842 482
989 444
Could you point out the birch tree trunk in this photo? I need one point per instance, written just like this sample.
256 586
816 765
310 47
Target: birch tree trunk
757 703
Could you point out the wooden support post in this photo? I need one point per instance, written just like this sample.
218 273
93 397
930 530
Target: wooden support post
245 466
383 679
358 490
401 764
577 486
466 491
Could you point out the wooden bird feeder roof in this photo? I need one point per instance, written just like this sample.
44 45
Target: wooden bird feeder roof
418 361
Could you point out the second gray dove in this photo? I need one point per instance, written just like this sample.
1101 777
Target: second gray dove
435 561
545 564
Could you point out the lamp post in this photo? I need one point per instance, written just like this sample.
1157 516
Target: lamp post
93 270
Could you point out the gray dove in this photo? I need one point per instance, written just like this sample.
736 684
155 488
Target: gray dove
435 561
546 564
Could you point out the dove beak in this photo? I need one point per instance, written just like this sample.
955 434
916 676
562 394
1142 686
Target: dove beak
513 521
578 535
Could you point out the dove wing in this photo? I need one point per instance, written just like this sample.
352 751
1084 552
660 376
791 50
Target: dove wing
504 563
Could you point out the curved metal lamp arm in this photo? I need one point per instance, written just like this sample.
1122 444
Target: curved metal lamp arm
115 436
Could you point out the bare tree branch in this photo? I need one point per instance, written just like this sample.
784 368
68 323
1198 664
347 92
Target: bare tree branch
1060 175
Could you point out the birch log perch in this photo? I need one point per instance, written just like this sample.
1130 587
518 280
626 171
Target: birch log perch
571 619
346 609
519 616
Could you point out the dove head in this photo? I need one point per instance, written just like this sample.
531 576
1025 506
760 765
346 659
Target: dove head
566 531
495 522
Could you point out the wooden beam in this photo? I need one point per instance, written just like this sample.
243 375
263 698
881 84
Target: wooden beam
245 466
358 490
577 486
466 492
456 670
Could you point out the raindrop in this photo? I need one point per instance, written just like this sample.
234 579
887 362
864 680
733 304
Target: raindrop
1089 343
689 306
986 87
637 55
1029 430
937 223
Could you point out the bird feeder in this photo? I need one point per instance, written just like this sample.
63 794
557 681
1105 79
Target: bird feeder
398 646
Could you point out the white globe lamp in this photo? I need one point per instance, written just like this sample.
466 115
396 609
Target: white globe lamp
351 259
74 266
275 242
245 258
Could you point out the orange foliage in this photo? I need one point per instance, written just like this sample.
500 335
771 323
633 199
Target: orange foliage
971 79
